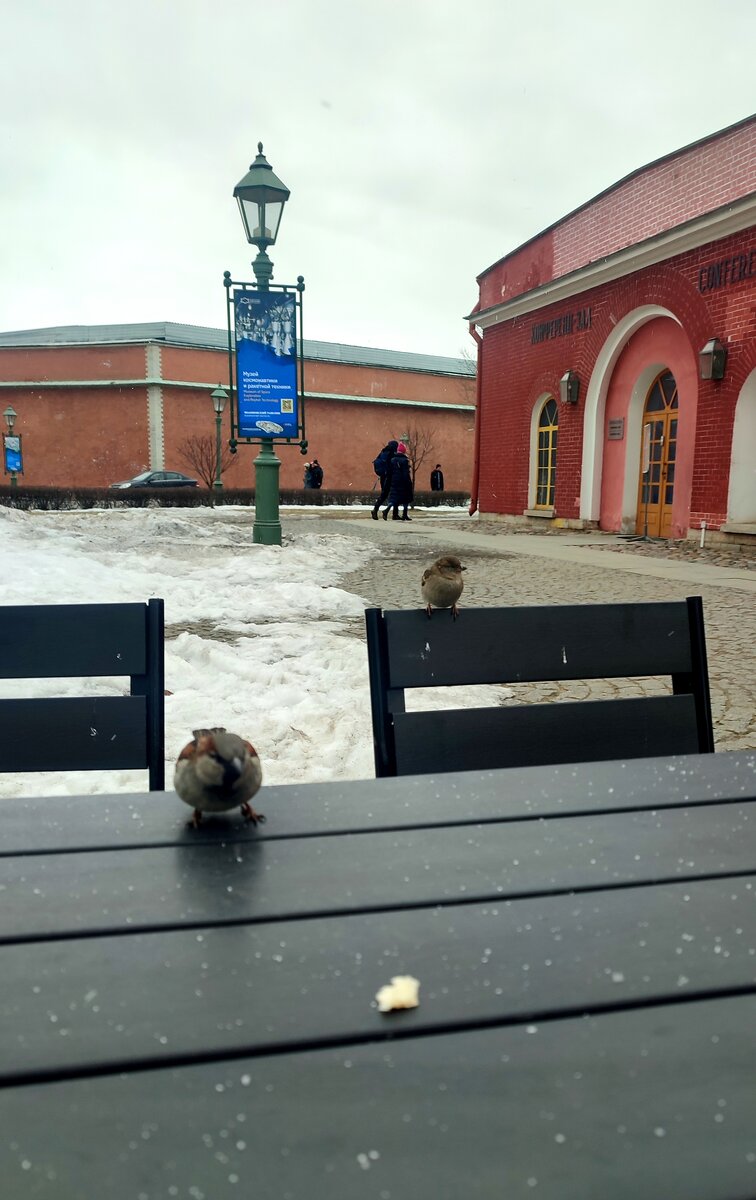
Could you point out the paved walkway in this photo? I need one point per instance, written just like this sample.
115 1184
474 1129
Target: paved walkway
567 568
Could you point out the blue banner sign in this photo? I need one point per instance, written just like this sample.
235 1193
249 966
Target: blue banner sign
266 364
12 449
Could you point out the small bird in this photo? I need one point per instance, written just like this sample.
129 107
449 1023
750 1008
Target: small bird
217 771
442 584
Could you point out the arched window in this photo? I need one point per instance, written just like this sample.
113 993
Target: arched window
548 423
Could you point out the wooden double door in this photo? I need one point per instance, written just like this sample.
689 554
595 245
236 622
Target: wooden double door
656 487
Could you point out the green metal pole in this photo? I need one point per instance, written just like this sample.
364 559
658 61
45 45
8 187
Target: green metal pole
266 530
218 484
14 480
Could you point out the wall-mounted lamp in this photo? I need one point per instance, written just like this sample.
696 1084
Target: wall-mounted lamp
712 360
569 388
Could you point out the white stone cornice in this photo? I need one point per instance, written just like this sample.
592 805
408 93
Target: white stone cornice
154 381
732 219
389 401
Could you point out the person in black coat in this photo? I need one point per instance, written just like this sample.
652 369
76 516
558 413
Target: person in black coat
437 479
383 461
400 491
317 473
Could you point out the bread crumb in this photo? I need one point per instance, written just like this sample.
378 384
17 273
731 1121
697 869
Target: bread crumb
400 993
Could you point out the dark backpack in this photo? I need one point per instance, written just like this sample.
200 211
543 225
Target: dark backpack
380 464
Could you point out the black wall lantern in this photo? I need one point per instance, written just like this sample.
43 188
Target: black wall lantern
569 388
712 360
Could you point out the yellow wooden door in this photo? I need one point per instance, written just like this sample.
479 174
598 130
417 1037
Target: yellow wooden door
656 486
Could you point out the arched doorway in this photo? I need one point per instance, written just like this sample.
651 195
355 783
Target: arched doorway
658 454
741 498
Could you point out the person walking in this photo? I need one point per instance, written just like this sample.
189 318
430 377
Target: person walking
382 468
400 489
317 473
308 475
437 479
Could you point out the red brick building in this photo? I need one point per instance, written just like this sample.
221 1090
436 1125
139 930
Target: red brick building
98 404
596 405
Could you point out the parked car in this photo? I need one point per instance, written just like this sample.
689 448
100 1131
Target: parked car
160 479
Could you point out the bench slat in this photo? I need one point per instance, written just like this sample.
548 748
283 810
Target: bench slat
509 645
74 733
487 738
68 640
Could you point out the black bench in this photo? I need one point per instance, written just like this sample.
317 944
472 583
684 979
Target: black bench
525 645
88 733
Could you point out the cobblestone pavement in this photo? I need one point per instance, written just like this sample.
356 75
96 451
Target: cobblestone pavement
684 552
713 555
391 580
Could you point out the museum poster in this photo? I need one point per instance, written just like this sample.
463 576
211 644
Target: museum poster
14 464
266 364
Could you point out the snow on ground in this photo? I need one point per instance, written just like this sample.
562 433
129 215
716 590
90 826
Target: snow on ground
260 639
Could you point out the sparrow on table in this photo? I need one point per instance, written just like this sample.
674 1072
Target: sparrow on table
442 584
217 771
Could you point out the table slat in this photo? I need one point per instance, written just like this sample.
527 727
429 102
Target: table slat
656 1103
101 1002
276 880
34 824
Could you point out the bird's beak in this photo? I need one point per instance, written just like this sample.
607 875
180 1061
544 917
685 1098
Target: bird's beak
232 771
463 568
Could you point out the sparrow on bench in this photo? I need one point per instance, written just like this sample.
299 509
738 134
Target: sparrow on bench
442 585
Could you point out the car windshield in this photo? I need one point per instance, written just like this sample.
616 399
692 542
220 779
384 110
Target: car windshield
140 477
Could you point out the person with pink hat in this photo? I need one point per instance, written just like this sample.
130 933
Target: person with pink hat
402 491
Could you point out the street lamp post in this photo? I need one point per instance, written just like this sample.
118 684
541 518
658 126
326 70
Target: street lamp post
261 196
219 398
10 415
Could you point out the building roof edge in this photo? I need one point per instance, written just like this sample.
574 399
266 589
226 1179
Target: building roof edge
710 137
207 337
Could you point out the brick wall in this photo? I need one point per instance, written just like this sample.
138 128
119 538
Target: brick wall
676 189
72 362
517 372
93 436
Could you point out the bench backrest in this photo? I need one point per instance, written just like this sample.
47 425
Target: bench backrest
87 733
521 645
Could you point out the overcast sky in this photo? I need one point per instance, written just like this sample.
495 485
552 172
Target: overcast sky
421 140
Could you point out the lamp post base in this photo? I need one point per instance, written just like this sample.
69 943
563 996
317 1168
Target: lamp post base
266 530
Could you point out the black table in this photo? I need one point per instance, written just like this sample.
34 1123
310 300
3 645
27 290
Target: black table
191 1013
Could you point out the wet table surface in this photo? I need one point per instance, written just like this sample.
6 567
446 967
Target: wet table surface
192 1013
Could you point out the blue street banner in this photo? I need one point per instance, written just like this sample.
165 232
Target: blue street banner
12 451
266 364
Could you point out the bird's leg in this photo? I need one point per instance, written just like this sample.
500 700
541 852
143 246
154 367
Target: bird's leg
429 610
196 818
250 815
454 612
